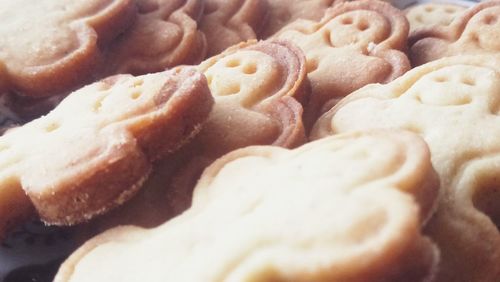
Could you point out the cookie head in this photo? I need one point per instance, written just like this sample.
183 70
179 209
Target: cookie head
60 45
430 14
453 104
96 148
319 209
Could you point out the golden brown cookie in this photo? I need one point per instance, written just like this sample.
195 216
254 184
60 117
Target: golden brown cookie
475 31
96 148
356 43
269 77
164 35
49 47
228 22
283 12
344 208
454 105
425 15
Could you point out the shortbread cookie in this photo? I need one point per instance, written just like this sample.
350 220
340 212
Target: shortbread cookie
475 31
356 43
425 15
164 35
283 12
454 104
95 149
48 47
345 208
270 77
228 22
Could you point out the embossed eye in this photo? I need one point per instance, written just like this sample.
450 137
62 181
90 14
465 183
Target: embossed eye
468 81
449 10
490 19
429 9
440 79
232 63
230 90
363 25
96 107
250 68
135 95
138 82
346 21
52 127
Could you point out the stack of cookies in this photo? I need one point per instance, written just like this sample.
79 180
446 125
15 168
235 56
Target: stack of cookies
257 140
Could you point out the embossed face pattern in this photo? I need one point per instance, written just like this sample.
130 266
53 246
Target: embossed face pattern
94 150
350 194
163 36
355 44
58 45
454 104
475 31
430 14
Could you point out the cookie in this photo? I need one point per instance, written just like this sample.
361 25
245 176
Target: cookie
164 35
49 47
228 22
270 77
95 149
271 214
283 12
425 15
475 31
454 105
356 43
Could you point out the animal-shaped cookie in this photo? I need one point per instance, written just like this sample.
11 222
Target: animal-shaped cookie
256 86
165 34
475 31
345 208
283 12
355 43
229 22
425 15
48 47
454 104
95 149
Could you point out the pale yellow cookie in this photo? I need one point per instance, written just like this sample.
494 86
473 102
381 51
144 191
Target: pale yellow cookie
345 208
430 14
96 148
454 104
474 31
48 47
257 87
355 43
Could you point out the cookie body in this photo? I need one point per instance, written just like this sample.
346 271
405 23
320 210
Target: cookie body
271 80
60 45
96 148
475 31
272 214
354 44
453 104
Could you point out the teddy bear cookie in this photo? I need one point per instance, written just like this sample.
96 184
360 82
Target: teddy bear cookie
96 148
165 34
475 31
257 87
453 103
424 15
344 208
226 23
49 47
354 44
